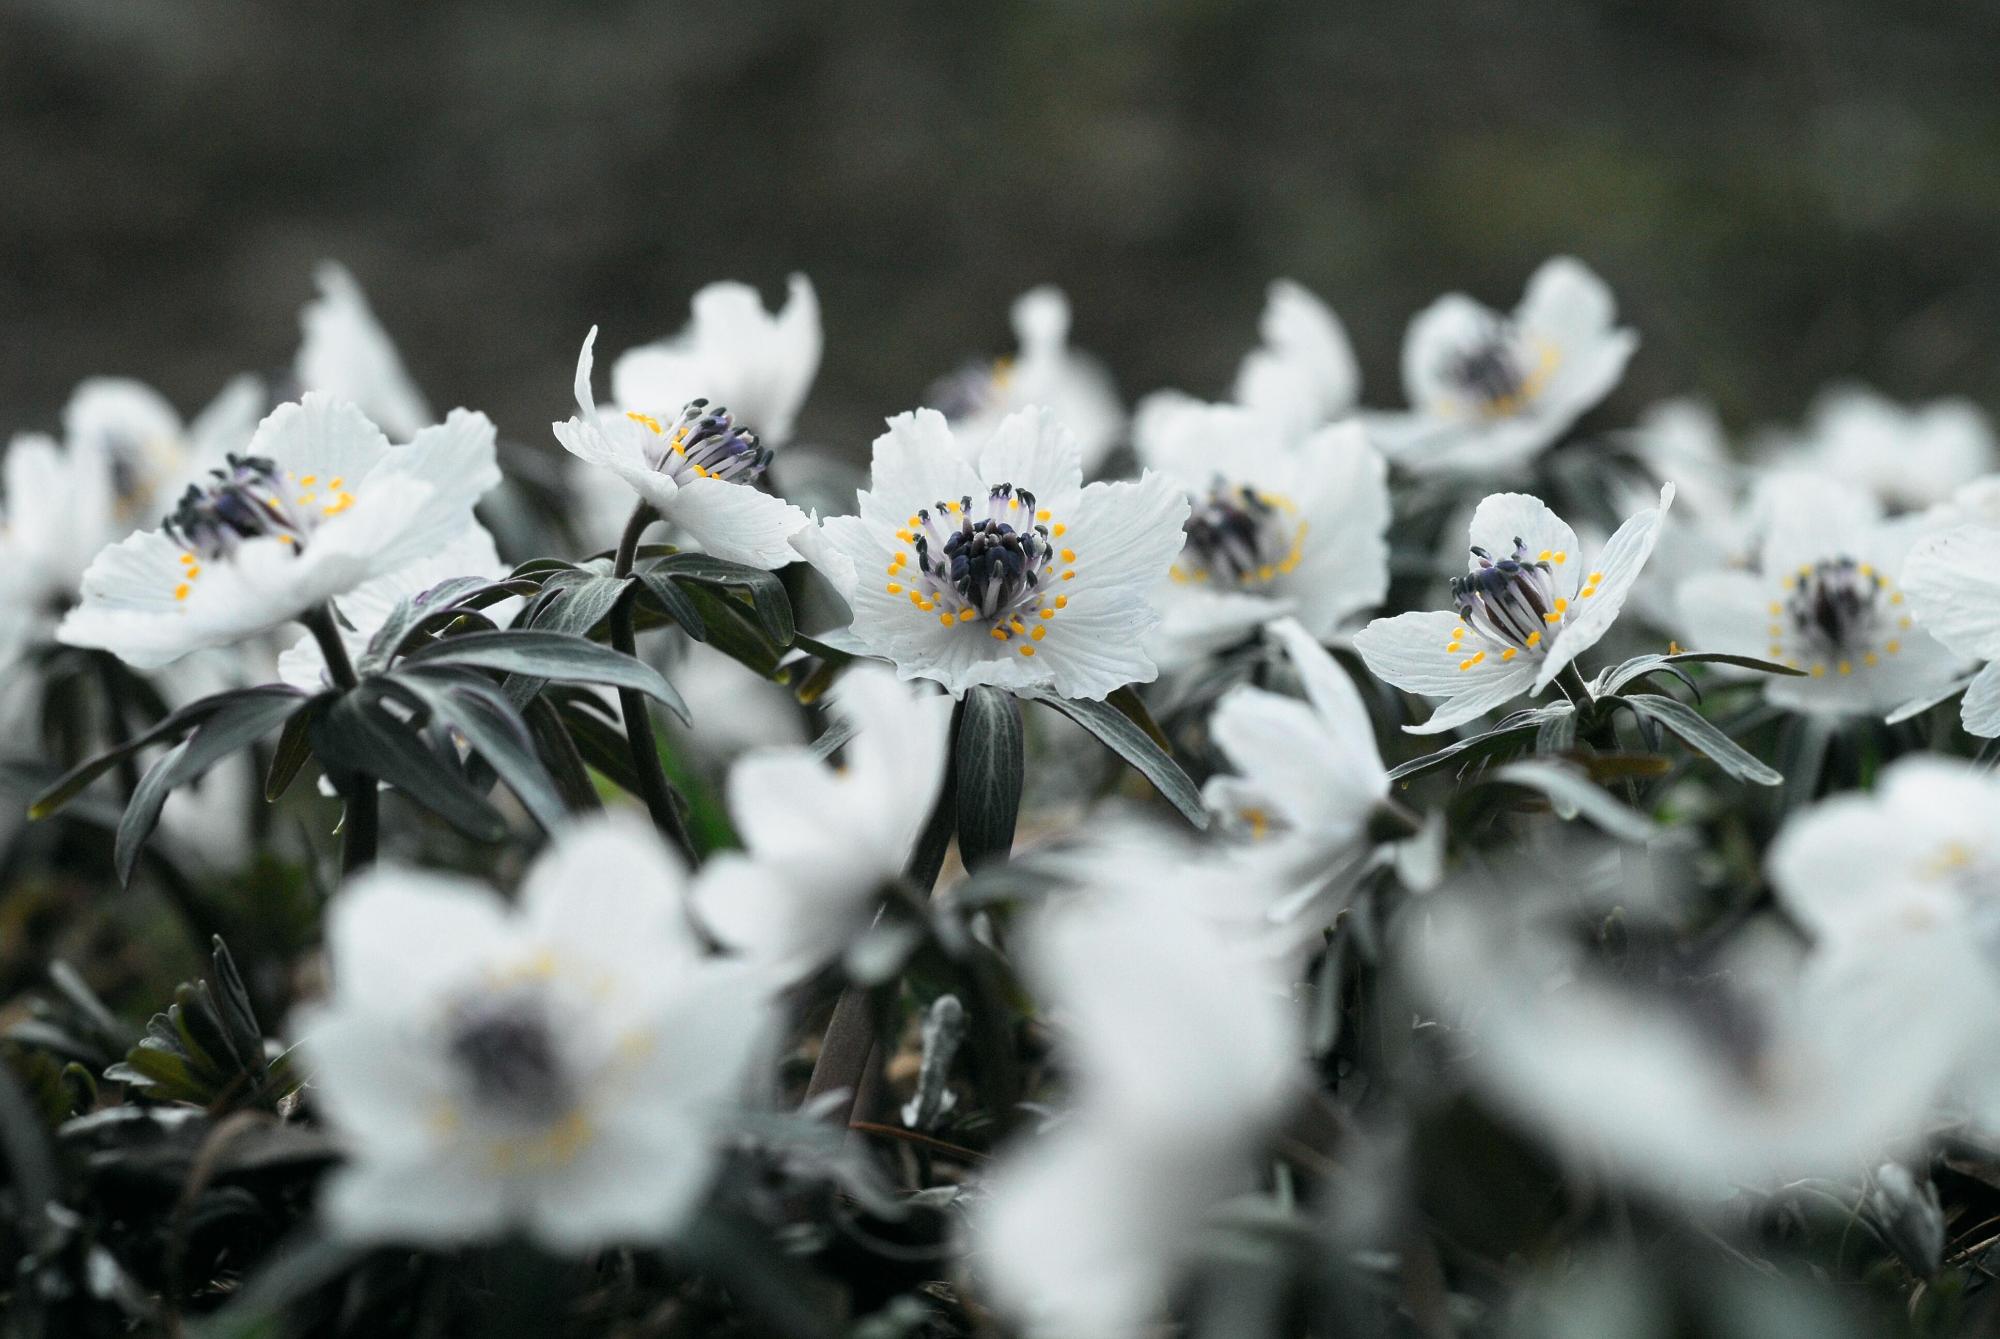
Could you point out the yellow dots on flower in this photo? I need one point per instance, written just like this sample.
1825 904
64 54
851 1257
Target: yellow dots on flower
1046 613
339 504
947 619
181 591
1871 659
1534 639
1904 622
646 421
1895 597
1561 556
1178 574
1058 530
1819 671
1778 651
895 589
905 535
1845 667
997 634
1259 821
1777 608
336 482
1468 663
1016 625
1043 514
1038 633
953 507
1510 653
187 560
1068 576
308 480
967 615
1866 570
1266 572
1027 650
1062 601
914 522
1069 555
1893 647
1545 555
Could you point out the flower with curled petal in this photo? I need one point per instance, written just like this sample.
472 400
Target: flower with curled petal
1488 392
1000 567
1528 605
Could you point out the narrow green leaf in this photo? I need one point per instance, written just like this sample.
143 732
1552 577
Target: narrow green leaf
357 736
579 606
142 811
497 733
765 591
1489 741
294 747
665 592
989 755
549 655
1117 732
732 631
72 783
1701 735
558 752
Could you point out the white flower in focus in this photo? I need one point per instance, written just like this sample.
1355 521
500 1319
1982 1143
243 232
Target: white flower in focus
1528 606
1304 373
320 505
734 354
1307 780
1908 458
821 842
1183 1056
695 465
367 607
1001 569
565 1067
1953 591
1045 371
1488 392
345 353
1273 529
1825 599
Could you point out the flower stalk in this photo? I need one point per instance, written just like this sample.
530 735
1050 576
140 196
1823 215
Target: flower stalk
654 788
359 793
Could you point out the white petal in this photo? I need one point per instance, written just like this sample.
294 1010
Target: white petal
1331 692
1503 518
346 353
1492 684
1030 449
917 463
737 523
456 460
1305 373
1617 568
1410 652
397 936
1980 709
1953 590
1438 337
418 1201
321 436
607 891
1567 304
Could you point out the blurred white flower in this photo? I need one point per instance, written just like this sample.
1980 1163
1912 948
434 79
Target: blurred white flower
1908 458
1750 1070
1825 599
731 707
320 505
1303 374
821 842
1045 371
696 466
1182 1057
1953 593
734 354
1274 528
565 1067
368 606
1712 525
1307 781
151 453
56 506
1487 392
1001 569
1528 606
345 353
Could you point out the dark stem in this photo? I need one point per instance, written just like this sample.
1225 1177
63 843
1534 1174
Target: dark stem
845 1054
654 788
360 824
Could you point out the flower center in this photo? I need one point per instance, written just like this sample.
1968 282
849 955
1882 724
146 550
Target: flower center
249 499
1836 614
1501 373
507 1053
1239 535
1511 606
998 571
705 443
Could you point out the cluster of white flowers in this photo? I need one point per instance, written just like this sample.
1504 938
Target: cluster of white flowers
1192 1021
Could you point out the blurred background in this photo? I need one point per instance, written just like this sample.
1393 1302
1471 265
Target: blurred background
1780 193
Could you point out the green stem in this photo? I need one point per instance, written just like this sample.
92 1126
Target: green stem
360 824
654 788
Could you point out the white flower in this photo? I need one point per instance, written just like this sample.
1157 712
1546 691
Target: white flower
694 465
566 1066
1528 606
1712 525
1183 1057
731 707
1001 569
1825 600
821 842
56 507
1304 373
1908 458
321 504
345 353
151 453
1955 596
736 355
1273 529
1308 779
1488 392
368 606
1071 384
